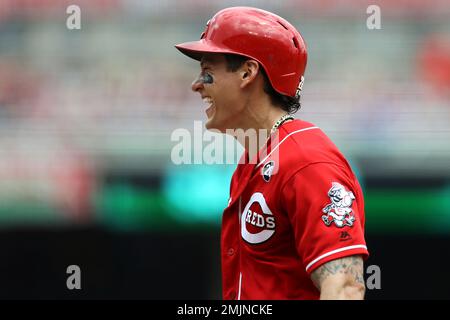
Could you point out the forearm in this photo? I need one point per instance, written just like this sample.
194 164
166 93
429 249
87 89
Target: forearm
342 289
340 279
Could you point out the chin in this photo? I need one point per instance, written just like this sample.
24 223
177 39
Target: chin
214 126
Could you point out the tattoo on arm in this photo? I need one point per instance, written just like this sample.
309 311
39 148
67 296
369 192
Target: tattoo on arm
349 266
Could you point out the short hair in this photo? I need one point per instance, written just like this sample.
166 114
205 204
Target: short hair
289 104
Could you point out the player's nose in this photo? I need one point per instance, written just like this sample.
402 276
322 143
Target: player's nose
197 85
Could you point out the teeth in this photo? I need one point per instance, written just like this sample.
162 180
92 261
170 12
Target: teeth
207 100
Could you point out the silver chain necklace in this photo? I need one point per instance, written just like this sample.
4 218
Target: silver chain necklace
280 121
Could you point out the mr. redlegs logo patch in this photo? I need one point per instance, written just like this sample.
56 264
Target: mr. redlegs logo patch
257 221
339 210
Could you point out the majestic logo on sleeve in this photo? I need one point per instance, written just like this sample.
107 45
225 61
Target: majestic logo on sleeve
257 221
339 210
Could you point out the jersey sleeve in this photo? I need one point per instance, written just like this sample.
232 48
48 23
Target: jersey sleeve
325 206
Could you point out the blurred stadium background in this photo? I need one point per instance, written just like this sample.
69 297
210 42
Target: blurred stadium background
85 123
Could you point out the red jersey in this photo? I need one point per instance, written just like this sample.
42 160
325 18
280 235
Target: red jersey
296 209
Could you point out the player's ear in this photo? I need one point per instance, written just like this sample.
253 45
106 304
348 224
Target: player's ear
248 72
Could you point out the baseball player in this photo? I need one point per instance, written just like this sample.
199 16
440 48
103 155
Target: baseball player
294 224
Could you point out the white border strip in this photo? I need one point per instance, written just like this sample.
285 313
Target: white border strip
240 286
276 147
359 246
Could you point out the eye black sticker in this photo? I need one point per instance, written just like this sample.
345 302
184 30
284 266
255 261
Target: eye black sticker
206 78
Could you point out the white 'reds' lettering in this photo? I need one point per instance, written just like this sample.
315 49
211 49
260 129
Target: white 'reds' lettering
263 219
249 216
270 222
260 221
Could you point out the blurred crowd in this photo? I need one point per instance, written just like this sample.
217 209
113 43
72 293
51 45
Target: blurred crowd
77 103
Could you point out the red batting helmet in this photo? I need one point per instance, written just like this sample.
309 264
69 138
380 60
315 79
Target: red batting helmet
259 35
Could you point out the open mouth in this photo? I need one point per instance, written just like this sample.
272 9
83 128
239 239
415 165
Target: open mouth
210 106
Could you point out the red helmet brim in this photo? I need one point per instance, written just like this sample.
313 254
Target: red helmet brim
196 49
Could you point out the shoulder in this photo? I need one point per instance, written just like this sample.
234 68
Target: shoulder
302 143
302 148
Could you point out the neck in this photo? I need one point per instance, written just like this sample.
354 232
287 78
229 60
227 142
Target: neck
257 126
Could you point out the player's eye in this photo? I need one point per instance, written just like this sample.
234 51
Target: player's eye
206 77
